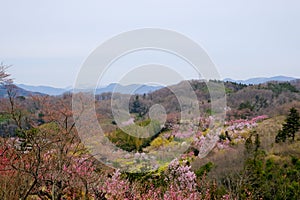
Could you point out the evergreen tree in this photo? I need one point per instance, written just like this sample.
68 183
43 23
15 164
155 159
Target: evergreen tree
290 127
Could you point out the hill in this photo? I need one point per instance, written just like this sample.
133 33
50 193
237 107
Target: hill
260 80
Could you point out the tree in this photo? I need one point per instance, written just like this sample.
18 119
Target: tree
3 75
55 165
138 106
290 127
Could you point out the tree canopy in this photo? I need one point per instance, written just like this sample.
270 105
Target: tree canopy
290 127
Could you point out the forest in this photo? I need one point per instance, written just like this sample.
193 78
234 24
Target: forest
256 153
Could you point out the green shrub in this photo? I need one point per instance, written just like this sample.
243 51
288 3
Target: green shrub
131 143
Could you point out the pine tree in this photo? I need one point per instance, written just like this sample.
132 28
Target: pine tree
290 127
293 123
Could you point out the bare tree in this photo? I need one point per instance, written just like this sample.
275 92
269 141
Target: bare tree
4 76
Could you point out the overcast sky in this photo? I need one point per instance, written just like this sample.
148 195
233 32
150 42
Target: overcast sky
46 42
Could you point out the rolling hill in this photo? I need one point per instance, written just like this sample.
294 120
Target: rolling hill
260 80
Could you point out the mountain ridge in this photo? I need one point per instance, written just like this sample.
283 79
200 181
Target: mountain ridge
259 80
141 89
113 87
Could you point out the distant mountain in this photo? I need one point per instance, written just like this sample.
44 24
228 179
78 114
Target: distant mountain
43 89
135 88
140 89
19 92
259 80
113 87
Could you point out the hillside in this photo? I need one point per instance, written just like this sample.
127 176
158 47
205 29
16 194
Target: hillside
243 100
197 158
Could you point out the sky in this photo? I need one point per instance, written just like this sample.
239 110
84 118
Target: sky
47 42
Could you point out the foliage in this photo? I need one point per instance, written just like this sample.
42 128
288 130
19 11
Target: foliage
204 169
131 143
4 118
46 160
158 142
290 127
271 179
281 87
138 106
